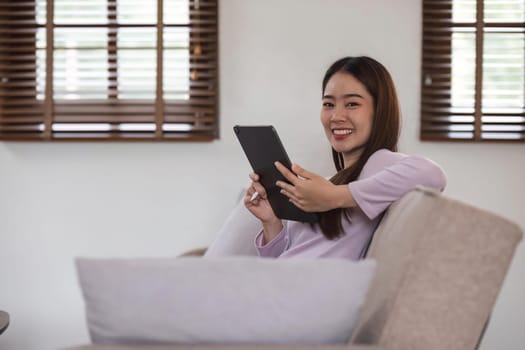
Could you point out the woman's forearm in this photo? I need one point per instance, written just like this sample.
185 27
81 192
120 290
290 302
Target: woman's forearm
271 230
343 198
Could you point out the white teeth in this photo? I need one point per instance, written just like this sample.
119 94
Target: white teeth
342 131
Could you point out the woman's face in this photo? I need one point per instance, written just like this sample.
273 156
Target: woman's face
347 115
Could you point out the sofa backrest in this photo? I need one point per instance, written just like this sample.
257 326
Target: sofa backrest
440 266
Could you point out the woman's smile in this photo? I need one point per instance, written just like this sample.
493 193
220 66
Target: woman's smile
341 134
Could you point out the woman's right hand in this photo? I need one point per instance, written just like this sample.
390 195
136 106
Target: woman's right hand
258 205
261 209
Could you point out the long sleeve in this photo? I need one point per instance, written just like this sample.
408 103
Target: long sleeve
387 176
276 246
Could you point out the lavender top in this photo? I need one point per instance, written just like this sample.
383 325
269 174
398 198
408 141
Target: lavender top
385 178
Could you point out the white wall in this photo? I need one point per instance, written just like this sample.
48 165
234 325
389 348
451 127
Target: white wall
59 201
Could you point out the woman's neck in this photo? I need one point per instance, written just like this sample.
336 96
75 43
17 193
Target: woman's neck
351 158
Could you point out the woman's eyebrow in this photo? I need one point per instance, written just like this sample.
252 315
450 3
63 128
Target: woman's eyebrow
352 95
344 96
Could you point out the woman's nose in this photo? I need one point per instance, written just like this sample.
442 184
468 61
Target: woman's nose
338 114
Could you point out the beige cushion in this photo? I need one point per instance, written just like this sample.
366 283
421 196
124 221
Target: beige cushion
237 234
440 266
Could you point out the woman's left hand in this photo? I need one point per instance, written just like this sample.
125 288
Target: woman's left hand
311 192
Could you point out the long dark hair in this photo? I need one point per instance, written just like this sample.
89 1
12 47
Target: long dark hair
384 134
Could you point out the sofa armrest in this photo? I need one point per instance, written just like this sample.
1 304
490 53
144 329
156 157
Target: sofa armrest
441 264
194 252
4 321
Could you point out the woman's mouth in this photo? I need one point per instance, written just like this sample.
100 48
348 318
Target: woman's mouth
341 133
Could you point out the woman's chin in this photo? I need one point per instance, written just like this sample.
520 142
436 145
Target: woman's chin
350 151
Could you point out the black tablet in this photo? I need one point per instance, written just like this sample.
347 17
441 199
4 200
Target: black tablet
263 148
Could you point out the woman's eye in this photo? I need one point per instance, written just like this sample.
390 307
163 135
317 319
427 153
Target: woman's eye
328 104
352 104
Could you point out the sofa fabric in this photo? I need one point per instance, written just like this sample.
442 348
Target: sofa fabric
441 264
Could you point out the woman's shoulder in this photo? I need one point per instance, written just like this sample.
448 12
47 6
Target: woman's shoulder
400 162
384 154
382 158
385 157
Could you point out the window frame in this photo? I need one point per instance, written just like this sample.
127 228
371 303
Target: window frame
438 117
23 117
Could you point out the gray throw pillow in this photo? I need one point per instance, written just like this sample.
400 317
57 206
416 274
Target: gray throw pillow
232 300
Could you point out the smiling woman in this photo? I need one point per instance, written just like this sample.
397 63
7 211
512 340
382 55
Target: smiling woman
360 116
108 70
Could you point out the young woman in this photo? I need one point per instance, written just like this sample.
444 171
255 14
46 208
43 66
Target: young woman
361 118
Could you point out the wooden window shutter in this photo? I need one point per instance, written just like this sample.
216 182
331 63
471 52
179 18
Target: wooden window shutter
473 70
108 70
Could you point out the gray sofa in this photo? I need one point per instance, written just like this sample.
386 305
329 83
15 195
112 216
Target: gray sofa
440 266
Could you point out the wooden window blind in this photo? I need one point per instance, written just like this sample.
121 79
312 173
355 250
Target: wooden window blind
108 70
473 70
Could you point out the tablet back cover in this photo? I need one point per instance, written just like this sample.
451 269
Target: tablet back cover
263 148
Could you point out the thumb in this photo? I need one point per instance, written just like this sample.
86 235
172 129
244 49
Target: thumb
298 170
